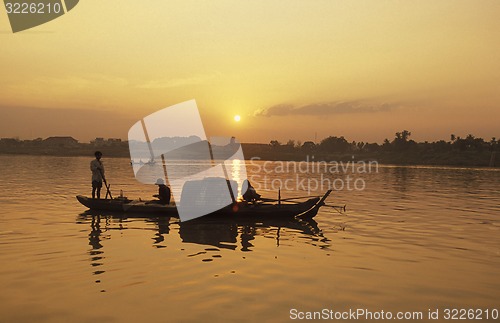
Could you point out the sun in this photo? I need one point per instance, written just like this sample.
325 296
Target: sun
237 118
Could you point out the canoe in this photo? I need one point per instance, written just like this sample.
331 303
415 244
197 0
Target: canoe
306 209
126 205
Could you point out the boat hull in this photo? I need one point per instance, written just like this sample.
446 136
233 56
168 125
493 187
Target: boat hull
129 206
306 209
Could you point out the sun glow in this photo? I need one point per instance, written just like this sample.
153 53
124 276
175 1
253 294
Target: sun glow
237 118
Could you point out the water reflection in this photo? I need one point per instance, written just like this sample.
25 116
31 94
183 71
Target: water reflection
237 169
95 231
233 234
221 233
163 225
95 237
214 235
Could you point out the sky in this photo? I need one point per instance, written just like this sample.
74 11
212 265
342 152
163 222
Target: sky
300 70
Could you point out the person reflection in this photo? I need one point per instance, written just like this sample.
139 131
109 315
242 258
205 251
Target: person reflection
95 232
95 242
247 234
163 224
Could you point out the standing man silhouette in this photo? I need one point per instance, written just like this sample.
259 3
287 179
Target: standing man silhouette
97 169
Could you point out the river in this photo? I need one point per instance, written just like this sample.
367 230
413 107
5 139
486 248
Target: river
412 239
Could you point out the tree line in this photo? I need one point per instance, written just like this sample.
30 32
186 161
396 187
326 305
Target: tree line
400 143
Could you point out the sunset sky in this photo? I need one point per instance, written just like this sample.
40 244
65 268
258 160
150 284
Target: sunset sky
291 69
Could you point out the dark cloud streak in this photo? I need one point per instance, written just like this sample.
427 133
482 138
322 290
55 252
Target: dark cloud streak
324 109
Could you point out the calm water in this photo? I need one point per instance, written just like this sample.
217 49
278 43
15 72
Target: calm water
415 238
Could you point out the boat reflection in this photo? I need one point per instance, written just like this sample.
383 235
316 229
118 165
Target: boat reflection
214 235
222 233
229 233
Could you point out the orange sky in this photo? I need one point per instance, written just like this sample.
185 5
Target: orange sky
291 69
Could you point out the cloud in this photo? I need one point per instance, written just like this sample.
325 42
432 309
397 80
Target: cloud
324 109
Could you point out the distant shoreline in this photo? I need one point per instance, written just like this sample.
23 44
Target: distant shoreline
468 152
458 159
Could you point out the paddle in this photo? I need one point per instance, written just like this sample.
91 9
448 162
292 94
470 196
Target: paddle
279 202
107 190
106 185
341 207
338 208
288 199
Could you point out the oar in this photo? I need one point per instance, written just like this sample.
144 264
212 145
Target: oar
337 207
107 186
301 197
263 199
107 190
342 207
289 199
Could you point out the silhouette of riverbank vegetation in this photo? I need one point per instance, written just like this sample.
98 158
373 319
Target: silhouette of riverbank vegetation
401 150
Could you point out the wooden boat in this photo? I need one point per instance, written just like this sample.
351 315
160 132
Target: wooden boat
306 209
126 205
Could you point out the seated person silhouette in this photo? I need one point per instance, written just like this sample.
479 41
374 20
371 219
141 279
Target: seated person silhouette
163 192
251 194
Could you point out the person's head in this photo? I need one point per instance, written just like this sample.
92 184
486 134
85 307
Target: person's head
98 155
160 181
